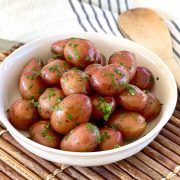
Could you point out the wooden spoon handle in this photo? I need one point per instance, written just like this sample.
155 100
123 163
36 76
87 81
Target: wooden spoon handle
175 69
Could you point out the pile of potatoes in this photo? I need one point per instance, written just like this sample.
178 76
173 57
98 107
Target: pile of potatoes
75 102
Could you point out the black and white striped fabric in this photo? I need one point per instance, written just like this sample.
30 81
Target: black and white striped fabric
27 20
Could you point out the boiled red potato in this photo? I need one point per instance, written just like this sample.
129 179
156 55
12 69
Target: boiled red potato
22 114
50 98
143 78
110 139
100 58
91 69
84 138
102 107
34 64
125 59
57 47
73 110
52 72
132 99
42 133
79 52
152 108
75 81
110 80
130 124
31 85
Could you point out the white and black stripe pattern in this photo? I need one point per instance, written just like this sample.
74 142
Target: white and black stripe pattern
103 16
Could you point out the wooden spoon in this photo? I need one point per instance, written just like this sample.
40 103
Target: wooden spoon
144 26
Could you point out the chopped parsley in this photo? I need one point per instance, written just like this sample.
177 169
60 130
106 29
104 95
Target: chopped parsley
146 91
130 89
41 90
54 68
90 126
114 126
87 58
76 55
105 107
69 57
54 56
33 75
59 99
104 136
29 87
74 45
118 72
56 108
65 79
45 132
34 103
85 76
117 146
112 78
51 92
70 116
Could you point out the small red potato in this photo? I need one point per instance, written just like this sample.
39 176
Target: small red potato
42 133
125 59
52 72
79 52
110 80
84 138
143 78
110 139
91 69
130 124
152 108
132 99
31 85
102 107
34 64
50 98
58 47
75 81
22 114
72 111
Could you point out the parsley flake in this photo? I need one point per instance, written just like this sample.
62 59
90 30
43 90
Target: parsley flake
130 89
104 136
114 126
51 92
54 68
70 116
76 55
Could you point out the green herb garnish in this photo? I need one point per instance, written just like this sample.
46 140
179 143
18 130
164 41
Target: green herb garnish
87 58
70 116
130 89
59 99
33 75
30 87
41 90
69 57
54 68
117 146
85 76
34 103
118 72
65 79
114 126
51 92
56 108
76 55
104 136
112 78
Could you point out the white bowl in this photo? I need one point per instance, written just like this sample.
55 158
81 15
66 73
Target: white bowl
165 89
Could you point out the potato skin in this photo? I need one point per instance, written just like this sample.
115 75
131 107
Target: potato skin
42 133
75 82
110 80
143 78
79 52
110 139
130 124
125 59
132 99
50 98
22 114
34 64
91 69
74 110
52 72
53 59
102 107
84 138
31 85
152 108
100 58
58 47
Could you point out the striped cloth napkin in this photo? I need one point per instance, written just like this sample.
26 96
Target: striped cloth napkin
24 21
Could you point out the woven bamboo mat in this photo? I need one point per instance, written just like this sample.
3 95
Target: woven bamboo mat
159 160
